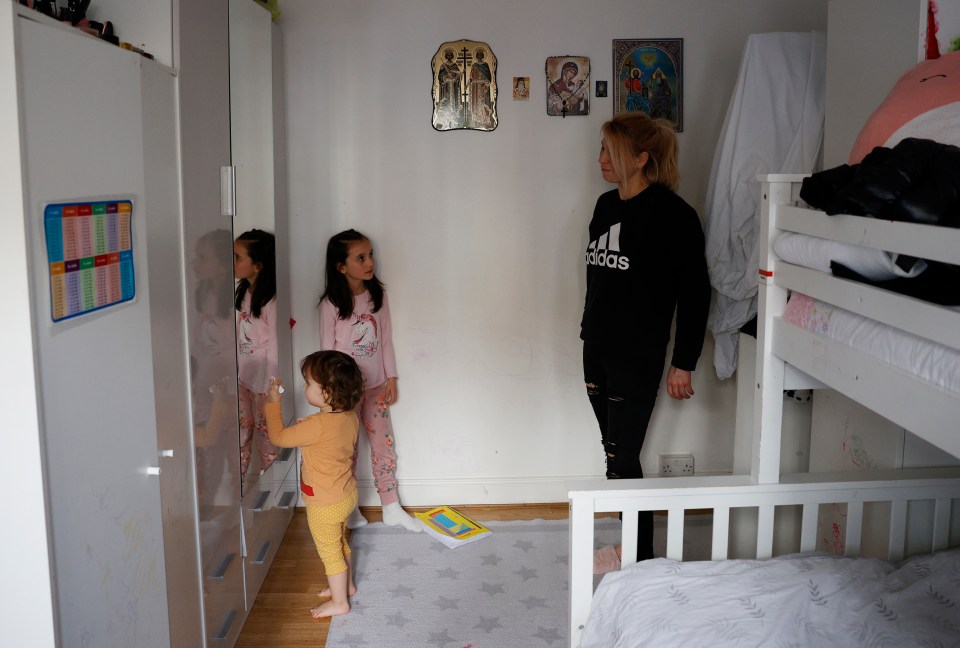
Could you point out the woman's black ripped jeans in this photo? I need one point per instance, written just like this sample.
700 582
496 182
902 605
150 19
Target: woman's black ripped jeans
622 392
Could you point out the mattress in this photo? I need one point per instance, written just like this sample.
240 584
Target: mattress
931 361
799 600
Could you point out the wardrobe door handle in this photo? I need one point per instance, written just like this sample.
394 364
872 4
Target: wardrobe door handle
286 501
262 555
228 191
261 501
224 630
222 568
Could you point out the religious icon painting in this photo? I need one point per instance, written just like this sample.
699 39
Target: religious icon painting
464 86
648 78
568 85
601 89
521 88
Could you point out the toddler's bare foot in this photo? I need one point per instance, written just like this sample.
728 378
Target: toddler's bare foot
329 609
325 592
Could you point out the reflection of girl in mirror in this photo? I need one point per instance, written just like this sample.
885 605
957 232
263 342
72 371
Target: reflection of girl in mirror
254 265
213 295
213 356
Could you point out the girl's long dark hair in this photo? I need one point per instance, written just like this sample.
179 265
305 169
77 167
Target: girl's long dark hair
336 288
261 248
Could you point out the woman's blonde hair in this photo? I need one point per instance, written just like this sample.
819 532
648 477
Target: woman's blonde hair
629 135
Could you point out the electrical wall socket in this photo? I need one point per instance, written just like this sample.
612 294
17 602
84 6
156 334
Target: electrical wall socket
676 465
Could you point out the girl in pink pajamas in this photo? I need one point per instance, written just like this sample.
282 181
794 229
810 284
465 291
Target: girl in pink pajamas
255 300
355 319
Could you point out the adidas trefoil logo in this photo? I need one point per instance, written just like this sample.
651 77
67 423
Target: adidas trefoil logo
605 251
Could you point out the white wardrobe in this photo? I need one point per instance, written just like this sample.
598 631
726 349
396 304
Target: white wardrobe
125 410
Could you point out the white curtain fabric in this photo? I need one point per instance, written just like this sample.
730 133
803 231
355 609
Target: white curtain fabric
774 124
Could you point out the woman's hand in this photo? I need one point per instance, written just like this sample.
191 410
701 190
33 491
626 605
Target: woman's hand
274 390
679 383
390 393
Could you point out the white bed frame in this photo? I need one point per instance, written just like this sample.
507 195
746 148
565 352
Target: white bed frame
791 358
721 495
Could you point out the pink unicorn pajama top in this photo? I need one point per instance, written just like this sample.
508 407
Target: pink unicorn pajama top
364 335
257 356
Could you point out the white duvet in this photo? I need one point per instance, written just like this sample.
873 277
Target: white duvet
800 600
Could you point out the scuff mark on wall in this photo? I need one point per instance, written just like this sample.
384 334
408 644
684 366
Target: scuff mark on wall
855 450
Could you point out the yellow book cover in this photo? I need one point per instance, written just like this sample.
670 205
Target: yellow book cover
451 527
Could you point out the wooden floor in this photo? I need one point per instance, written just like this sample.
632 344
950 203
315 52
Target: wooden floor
280 617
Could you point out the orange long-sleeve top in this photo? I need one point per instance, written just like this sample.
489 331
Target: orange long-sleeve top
327 442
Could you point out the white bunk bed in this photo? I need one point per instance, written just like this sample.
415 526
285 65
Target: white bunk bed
928 411
789 357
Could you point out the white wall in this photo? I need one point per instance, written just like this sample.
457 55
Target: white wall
872 44
480 236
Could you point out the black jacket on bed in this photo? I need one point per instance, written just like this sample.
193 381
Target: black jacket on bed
916 181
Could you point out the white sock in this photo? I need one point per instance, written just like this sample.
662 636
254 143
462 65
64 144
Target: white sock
356 519
393 515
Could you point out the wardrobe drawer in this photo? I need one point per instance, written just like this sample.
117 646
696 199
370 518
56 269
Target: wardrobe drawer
262 545
264 524
255 506
224 601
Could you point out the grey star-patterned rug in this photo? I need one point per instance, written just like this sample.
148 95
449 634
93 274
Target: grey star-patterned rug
507 590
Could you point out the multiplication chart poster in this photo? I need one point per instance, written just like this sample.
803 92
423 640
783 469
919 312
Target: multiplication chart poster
90 255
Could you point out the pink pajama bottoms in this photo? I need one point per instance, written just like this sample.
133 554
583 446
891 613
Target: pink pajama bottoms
375 419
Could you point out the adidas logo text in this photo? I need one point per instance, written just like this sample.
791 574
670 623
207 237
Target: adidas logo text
604 251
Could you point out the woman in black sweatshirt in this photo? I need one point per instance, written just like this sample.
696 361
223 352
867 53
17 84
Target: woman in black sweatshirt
645 263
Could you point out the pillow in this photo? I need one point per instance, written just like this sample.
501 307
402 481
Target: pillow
817 253
924 103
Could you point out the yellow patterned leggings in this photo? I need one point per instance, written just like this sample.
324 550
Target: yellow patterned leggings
328 526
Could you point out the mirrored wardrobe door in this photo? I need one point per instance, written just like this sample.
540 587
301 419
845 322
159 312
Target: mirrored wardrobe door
269 474
211 321
252 146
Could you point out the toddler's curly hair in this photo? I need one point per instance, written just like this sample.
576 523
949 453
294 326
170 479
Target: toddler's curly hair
338 375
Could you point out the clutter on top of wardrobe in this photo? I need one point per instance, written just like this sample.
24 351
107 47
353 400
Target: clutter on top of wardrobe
75 13
273 6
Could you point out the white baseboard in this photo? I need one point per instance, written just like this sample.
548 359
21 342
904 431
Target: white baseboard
434 492
527 490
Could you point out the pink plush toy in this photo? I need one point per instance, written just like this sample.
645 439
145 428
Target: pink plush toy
924 103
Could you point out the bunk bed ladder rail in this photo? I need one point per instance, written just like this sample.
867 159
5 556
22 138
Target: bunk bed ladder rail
776 190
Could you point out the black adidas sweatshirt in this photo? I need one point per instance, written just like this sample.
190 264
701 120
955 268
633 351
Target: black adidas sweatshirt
645 261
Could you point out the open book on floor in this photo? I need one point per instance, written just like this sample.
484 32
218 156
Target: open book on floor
451 527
